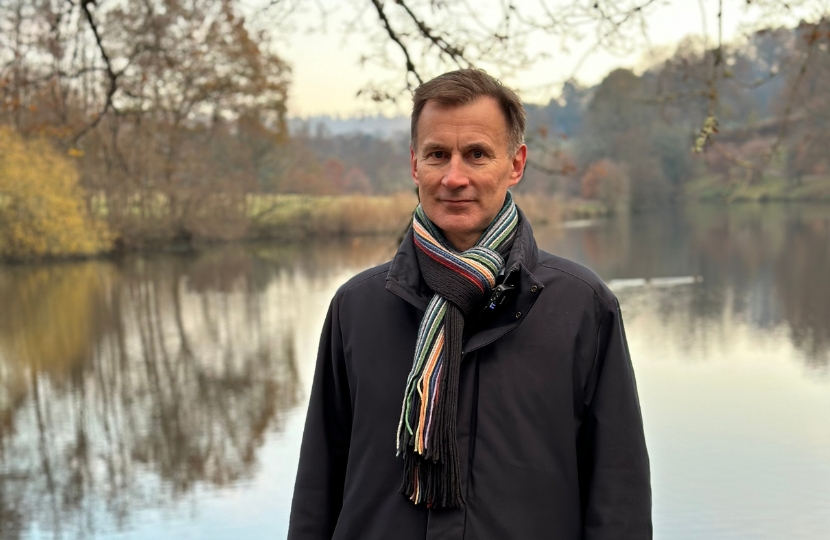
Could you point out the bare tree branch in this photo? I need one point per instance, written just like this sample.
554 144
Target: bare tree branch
410 67
455 53
113 77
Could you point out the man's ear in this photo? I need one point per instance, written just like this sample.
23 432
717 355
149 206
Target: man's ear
518 165
413 165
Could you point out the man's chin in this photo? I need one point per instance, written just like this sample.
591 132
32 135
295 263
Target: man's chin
455 224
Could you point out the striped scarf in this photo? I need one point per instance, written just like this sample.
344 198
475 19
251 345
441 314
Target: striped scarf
461 282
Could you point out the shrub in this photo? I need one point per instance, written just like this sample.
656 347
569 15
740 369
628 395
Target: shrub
42 210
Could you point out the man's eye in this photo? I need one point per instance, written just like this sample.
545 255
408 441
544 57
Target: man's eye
477 154
438 154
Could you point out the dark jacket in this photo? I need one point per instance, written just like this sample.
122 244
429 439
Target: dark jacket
549 427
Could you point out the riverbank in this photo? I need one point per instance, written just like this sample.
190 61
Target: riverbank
300 217
769 188
297 218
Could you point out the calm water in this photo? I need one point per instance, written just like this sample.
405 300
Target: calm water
163 396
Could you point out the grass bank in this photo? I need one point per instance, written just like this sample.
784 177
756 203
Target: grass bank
298 217
769 188
151 225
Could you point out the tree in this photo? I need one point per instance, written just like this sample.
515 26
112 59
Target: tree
167 104
42 210
809 102
608 182
425 37
618 127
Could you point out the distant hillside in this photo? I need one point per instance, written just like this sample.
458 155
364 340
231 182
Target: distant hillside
379 126
562 116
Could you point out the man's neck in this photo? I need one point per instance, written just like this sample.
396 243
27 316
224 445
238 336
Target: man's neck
462 242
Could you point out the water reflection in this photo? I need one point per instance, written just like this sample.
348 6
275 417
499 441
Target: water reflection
765 264
127 386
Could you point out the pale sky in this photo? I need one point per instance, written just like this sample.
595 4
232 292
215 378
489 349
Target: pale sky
327 72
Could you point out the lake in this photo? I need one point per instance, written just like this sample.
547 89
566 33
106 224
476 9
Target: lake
163 395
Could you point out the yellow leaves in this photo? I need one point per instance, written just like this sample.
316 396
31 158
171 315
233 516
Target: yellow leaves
42 209
75 152
710 127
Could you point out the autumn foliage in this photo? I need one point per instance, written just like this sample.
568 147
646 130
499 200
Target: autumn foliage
607 182
42 209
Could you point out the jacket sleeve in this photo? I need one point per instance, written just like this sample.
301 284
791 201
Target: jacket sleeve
615 482
318 491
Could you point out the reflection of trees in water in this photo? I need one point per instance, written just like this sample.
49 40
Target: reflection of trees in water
127 386
46 329
767 264
803 285
321 259
777 259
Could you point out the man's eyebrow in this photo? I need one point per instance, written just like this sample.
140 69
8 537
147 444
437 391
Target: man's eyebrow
430 147
478 145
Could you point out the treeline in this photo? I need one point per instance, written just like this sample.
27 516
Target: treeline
166 122
747 120
319 163
171 113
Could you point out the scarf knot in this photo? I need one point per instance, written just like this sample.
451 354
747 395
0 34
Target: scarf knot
461 282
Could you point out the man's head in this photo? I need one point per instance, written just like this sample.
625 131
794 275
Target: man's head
467 149
463 87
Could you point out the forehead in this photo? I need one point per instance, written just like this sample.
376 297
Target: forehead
479 119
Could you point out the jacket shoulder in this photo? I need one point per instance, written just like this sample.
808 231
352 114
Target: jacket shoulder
371 277
578 275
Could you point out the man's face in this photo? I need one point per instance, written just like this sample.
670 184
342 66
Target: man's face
462 167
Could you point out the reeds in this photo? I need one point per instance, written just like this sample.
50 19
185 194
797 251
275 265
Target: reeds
306 216
303 216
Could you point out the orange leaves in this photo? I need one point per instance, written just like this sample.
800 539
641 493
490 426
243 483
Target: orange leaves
606 181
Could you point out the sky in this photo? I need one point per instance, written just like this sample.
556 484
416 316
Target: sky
327 72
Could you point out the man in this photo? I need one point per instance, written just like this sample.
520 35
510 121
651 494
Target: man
474 387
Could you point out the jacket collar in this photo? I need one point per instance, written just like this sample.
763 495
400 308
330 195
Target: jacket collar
524 252
404 278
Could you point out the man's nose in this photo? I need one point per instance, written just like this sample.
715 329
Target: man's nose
456 176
